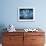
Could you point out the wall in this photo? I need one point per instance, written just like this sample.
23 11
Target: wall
9 13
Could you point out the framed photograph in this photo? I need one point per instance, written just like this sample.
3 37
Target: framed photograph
26 14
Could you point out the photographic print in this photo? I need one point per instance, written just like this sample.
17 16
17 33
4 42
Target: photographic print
26 14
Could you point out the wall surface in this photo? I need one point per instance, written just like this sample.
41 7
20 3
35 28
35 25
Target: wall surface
9 13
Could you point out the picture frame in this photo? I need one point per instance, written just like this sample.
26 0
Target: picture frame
26 14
